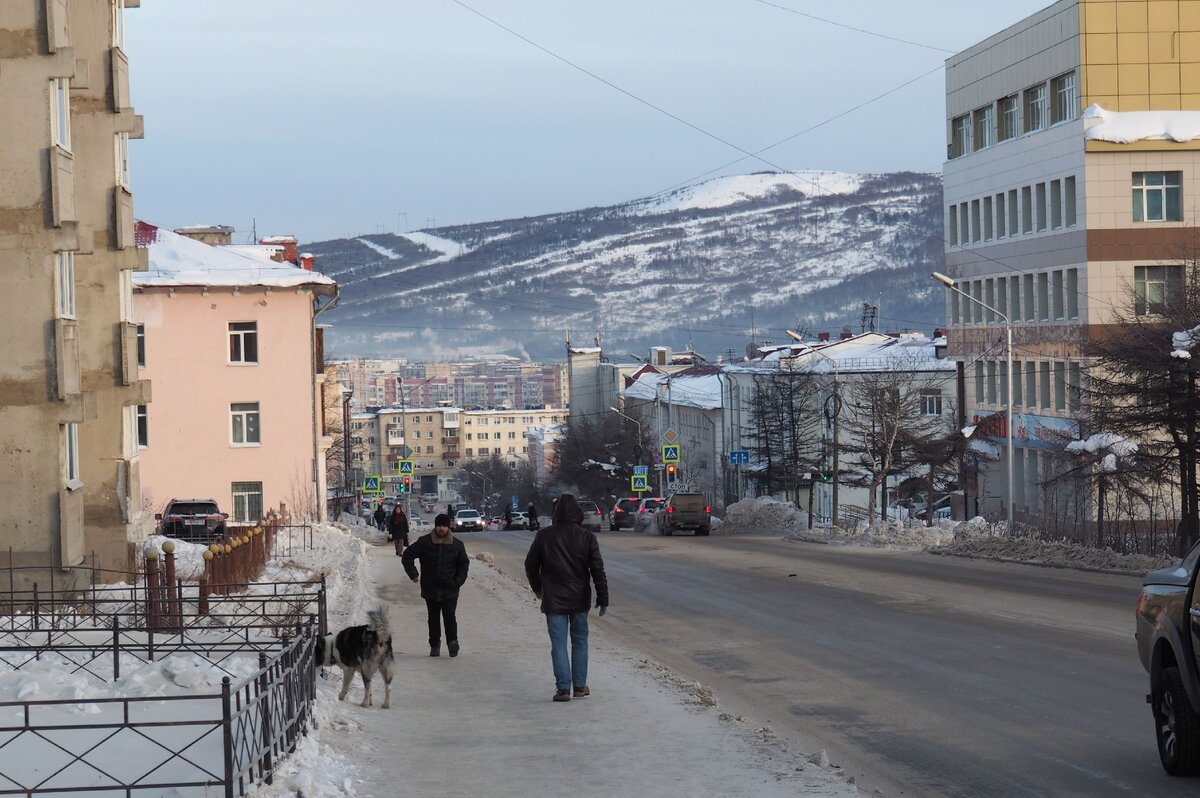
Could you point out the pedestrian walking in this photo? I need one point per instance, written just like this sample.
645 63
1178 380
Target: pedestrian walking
534 523
444 565
560 561
397 525
381 518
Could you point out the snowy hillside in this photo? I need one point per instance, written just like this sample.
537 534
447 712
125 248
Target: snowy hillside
703 263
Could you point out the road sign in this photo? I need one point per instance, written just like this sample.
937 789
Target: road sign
670 436
406 466
371 484
638 483
739 458
405 451
670 453
642 470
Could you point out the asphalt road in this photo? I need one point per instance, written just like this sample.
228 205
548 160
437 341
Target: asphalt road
920 675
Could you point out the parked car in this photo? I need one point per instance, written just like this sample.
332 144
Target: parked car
623 514
497 520
520 520
1167 612
194 520
469 521
593 518
685 511
645 512
418 525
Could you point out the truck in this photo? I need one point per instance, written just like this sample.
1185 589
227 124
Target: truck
193 520
689 511
1168 642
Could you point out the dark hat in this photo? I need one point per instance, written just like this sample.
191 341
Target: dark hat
441 520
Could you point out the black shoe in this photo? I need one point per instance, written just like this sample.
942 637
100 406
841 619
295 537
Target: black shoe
453 644
435 650
561 695
582 692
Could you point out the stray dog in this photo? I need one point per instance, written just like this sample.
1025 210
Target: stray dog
365 650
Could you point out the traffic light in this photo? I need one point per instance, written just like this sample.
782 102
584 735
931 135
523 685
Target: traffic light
671 470
405 484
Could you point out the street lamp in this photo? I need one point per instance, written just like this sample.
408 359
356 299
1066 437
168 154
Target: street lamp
950 283
404 392
637 449
832 415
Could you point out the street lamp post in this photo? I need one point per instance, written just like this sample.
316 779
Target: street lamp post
950 283
638 448
404 392
832 414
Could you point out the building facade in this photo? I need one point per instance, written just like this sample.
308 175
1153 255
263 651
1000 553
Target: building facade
1064 199
68 383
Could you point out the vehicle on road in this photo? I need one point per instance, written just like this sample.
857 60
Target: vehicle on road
194 520
685 511
519 520
469 521
593 517
1168 641
623 514
645 512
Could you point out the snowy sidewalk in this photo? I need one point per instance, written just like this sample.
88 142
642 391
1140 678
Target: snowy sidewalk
483 723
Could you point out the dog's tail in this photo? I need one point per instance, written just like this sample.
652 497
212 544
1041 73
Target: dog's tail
378 619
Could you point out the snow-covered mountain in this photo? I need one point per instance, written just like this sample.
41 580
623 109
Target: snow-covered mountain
706 264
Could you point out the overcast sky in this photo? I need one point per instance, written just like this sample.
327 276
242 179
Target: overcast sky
325 119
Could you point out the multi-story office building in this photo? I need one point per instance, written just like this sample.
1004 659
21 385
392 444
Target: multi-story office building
69 386
1065 200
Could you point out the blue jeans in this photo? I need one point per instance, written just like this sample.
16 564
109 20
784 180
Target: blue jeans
573 670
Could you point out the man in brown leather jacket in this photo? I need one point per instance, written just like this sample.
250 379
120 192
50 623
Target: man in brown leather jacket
560 561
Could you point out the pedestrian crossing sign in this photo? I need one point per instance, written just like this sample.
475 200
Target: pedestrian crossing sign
371 484
638 483
406 466
670 453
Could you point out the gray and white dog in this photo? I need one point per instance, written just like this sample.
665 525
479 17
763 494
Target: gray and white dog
365 650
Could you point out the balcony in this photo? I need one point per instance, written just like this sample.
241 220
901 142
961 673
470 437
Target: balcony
454 455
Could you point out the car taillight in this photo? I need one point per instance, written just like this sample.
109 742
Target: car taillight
618 510
598 511
707 509
671 509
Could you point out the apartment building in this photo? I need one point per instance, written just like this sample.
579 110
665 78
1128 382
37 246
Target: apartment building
493 383
1069 191
69 386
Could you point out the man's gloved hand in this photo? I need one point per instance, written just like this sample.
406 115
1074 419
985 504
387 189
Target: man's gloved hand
417 578
603 610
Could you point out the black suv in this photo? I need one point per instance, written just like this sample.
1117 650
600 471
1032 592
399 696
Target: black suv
623 515
194 520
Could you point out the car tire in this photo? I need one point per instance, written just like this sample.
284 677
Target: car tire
702 532
1176 726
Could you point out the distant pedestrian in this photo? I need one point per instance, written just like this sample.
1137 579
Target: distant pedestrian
381 518
450 511
397 525
560 561
508 516
444 565
534 523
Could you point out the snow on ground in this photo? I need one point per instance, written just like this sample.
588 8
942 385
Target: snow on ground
449 249
722 191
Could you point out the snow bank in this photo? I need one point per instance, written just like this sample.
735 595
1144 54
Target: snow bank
1126 127
762 515
880 534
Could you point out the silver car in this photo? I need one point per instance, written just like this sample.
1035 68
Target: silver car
592 517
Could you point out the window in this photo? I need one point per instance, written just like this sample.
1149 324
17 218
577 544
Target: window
1043 280
954 320
1000 216
143 427
1017 392
931 403
1156 196
428 450
991 382
952 226
1029 306
141 345
1073 387
496 436
429 419
60 112
989 297
1026 209
247 501
1066 104
118 24
1003 368
984 127
1044 385
469 436
1069 211
243 342
1035 108
1030 384
964 224
1040 195
1009 118
987 218
512 435
1002 296
1072 292
1060 386
64 278
976 227
244 420
483 422
483 450
1154 287
1056 216
121 148
976 306
1013 219
1014 302
1057 290
470 452
71 455
960 136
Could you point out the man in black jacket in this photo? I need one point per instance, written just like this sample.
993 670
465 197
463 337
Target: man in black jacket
560 560
444 565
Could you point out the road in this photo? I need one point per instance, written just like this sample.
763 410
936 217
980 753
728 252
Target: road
920 675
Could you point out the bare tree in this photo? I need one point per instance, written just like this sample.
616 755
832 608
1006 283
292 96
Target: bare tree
595 455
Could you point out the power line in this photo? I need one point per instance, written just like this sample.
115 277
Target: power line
851 27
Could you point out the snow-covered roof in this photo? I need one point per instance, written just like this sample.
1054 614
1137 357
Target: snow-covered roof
263 251
584 350
1126 127
278 240
870 352
699 386
177 260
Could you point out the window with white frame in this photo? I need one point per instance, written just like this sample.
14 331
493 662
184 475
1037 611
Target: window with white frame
931 402
960 136
70 443
64 279
244 424
983 123
118 24
1065 101
143 426
1010 118
1035 108
141 345
121 154
243 342
247 501
60 112
1155 288
1157 196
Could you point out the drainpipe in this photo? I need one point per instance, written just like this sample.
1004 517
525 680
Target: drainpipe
317 422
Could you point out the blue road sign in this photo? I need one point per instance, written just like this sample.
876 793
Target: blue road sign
406 466
638 483
641 470
670 453
371 485
739 458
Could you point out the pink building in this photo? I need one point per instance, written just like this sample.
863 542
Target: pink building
228 339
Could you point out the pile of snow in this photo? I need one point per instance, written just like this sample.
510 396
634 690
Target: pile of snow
890 534
720 192
761 516
1126 127
1183 342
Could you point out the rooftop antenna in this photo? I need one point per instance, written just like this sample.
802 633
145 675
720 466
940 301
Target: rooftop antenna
253 230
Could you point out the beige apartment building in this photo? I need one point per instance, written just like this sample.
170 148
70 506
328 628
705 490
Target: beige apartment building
1064 199
69 387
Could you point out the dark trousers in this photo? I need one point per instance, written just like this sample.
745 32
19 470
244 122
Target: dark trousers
440 611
